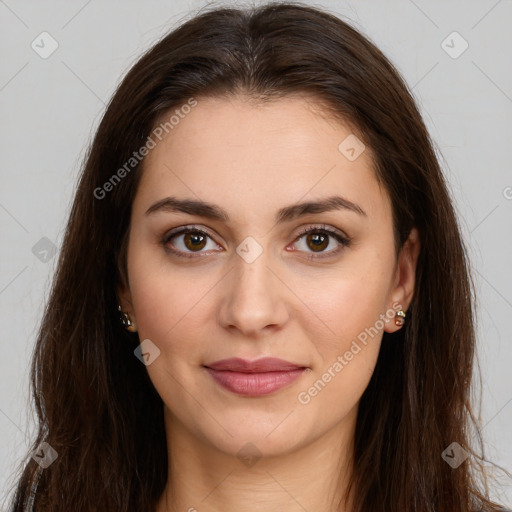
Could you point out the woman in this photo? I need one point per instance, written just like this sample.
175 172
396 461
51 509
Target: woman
263 299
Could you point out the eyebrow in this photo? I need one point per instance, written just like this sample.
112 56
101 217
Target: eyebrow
286 214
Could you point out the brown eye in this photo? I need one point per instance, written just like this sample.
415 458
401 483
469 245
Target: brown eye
316 240
187 241
194 241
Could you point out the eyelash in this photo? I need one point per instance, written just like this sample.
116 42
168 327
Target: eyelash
342 240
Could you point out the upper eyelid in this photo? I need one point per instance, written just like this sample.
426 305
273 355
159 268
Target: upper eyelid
322 227
184 229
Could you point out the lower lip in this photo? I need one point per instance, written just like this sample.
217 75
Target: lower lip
254 384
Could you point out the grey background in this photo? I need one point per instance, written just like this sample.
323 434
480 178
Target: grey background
51 107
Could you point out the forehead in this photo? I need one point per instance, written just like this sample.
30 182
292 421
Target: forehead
259 156
289 128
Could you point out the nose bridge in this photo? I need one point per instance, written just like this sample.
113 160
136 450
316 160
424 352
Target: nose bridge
251 272
254 297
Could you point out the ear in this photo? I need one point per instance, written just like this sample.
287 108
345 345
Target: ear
125 298
405 276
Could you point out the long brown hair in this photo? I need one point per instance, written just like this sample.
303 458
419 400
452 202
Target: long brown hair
95 403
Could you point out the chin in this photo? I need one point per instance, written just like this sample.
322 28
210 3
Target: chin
265 438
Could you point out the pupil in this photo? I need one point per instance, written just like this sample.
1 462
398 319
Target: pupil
318 241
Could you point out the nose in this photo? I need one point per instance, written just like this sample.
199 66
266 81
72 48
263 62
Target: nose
254 301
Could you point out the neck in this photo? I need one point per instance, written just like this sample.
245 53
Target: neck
202 478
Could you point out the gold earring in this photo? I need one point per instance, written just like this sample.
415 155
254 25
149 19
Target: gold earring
400 317
126 321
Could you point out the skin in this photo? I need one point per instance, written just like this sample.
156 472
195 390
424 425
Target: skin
253 160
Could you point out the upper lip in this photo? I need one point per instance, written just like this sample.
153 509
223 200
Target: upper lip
265 364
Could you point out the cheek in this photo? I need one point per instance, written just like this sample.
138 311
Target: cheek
161 295
348 305
352 308
353 315
345 360
171 312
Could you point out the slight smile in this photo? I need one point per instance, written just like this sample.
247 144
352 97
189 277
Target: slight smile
256 378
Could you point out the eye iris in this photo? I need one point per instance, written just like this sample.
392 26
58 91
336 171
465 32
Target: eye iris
195 240
317 242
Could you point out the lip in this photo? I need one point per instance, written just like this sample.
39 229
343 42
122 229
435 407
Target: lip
254 378
265 364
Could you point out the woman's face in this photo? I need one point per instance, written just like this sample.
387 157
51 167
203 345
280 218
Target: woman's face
262 278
